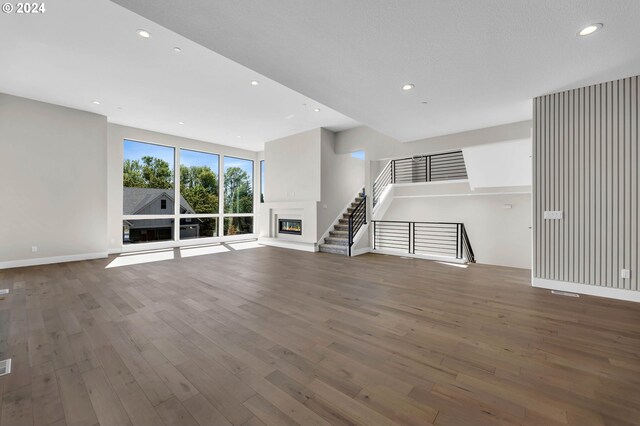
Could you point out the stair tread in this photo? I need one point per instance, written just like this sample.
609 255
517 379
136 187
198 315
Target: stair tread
334 247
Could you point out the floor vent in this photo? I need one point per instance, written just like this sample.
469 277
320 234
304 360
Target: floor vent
564 293
4 291
5 367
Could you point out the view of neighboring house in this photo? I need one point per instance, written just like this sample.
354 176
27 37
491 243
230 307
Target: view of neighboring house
154 201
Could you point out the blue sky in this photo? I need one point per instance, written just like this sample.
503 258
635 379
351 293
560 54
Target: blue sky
246 165
137 150
194 158
358 154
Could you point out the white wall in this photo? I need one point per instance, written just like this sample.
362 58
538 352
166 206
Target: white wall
498 235
379 146
499 164
117 134
292 168
342 178
53 182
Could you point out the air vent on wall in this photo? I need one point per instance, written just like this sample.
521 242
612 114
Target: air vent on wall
564 293
5 367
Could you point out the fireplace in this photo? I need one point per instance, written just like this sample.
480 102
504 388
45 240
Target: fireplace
290 226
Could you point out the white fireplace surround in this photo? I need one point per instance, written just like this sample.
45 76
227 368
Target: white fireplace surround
306 211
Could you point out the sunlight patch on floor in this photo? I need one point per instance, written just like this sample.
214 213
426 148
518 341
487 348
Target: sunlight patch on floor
127 259
457 265
202 250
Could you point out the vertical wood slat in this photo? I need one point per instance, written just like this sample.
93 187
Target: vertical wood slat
586 159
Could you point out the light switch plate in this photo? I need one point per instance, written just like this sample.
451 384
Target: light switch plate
553 214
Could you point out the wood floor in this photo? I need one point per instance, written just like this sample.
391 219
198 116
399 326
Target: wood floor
279 337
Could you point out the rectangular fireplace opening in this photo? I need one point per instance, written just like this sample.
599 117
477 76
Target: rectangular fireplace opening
290 226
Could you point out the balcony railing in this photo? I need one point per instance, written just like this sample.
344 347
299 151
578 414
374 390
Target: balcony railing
420 168
444 239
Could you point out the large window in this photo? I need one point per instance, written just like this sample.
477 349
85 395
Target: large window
199 181
238 185
238 196
154 202
148 179
199 189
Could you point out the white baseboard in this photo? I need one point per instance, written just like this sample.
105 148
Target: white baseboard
274 242
592 290
48 260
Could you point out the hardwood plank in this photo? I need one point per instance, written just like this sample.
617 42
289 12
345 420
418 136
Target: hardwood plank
75 398
105 403
204 413
140 410
267 412
281 400
349 407
17 408
218 396
176 382
396 406
173 413
47 405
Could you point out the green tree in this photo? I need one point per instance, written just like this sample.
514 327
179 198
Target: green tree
156 172
238 194
199 186
149 172
132 174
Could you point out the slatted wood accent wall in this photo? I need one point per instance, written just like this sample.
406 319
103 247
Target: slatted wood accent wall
585 144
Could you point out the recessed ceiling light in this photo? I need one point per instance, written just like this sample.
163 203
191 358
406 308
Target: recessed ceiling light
144 33
408 86
254 82
181 122
239 137
589 29
316 110
177 49
95 102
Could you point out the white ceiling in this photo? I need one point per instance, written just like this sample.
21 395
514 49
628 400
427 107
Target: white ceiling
477 63
84 50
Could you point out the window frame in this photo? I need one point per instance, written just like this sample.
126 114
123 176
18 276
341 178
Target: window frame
224 215
177 216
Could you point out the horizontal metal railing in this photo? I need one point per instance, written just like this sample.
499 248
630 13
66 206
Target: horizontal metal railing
447 239
420 168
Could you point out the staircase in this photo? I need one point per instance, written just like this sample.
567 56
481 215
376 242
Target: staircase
338 240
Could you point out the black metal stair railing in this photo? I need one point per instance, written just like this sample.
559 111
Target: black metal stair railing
446 239
357 218
420 168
